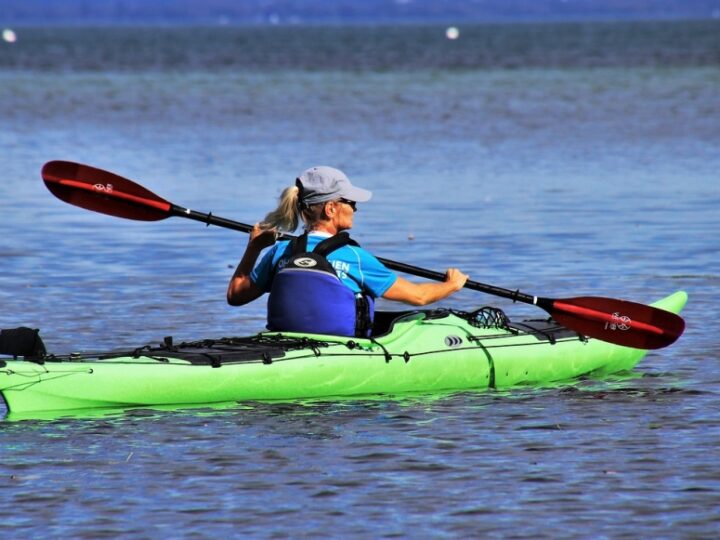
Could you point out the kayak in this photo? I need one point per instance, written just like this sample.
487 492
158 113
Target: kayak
411 351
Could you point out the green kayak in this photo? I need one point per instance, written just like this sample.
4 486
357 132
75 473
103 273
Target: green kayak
413 351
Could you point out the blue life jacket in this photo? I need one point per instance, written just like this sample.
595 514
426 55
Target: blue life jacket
308 296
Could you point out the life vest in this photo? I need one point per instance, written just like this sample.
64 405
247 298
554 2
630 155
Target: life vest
308 296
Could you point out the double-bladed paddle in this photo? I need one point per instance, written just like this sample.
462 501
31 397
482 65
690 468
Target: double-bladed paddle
616 321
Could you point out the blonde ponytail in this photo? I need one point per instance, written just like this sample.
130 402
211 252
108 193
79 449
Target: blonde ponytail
285 217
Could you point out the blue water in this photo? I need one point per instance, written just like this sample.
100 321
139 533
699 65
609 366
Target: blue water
527 166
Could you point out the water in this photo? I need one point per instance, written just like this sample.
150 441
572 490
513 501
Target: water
561 160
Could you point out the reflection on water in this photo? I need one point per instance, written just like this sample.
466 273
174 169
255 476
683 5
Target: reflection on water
541 453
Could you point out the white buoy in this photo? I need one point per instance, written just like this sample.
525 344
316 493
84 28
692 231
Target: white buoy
452 33
9 36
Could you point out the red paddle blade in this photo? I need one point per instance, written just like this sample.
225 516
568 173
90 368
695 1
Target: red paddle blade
102 191
619 321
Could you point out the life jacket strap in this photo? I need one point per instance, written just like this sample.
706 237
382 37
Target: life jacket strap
298 244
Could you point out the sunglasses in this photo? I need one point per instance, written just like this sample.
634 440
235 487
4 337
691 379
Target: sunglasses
351 204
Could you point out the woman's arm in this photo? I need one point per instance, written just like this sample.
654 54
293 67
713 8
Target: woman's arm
241 290
421 294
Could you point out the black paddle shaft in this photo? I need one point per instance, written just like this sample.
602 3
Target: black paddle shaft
209 219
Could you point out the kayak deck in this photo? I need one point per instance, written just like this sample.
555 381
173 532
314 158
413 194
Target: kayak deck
417 351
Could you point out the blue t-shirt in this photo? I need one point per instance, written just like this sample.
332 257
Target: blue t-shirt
353 265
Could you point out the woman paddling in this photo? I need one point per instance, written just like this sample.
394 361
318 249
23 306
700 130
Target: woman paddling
306 295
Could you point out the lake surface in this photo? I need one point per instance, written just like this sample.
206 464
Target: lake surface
562 160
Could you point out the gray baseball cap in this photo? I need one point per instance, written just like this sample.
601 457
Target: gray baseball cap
322 184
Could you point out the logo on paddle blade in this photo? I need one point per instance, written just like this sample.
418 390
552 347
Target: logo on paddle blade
618 322
305 262
103 187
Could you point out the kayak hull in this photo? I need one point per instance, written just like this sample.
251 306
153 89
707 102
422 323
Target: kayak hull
423 352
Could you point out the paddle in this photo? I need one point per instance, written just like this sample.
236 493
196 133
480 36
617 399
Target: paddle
615 321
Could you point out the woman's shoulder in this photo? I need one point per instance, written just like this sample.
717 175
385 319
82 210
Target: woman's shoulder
357 251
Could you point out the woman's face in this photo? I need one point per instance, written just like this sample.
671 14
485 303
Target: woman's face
342 213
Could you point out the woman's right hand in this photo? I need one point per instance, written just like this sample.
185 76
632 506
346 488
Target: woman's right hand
261 237
241 289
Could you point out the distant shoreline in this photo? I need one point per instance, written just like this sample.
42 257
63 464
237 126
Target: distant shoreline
345 12
206 23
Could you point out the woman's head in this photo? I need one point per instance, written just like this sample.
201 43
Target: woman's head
322 184
321 196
